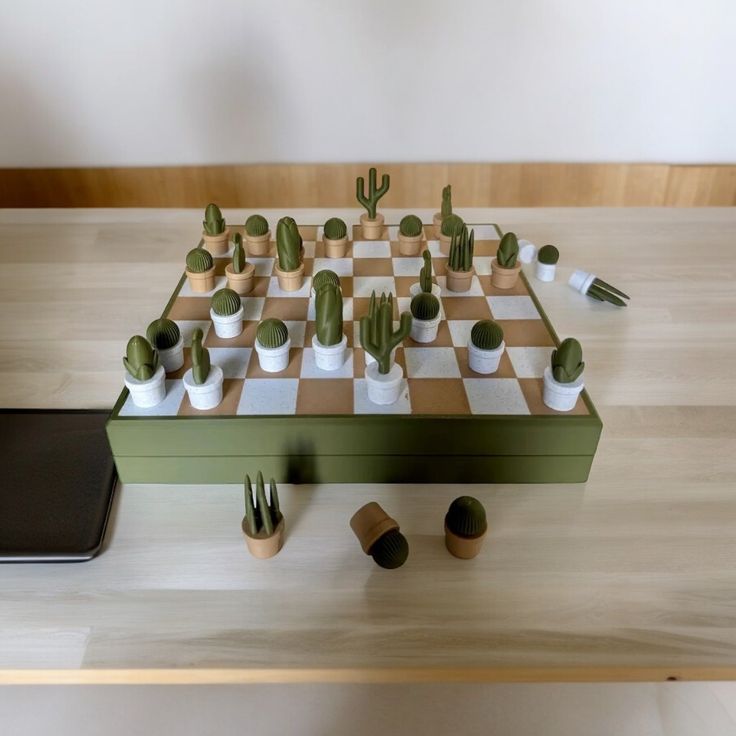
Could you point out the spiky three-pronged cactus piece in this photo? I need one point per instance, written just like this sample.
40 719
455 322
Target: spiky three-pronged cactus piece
486 334
272 333
567 361
446 209
256 226
141 359
335 229
263 516
214 222
425 306
451 224
238 263
508 251
288 244
425 274
461 250
370 200
199 260
328 308
410 226
378 337
200 358
163 333
466 517
225 302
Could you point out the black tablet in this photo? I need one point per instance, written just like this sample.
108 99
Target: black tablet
57 479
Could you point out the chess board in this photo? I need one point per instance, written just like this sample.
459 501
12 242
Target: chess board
305 424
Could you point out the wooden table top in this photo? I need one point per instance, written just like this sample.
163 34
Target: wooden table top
631 576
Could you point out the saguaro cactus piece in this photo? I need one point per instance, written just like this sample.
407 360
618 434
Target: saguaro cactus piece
378 336
370 200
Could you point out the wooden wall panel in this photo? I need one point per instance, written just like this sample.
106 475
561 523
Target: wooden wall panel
412 185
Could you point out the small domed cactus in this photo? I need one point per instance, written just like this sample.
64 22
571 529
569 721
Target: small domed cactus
141 359
567 361
214 222
466 517
451 224
200 358
508 251
486 334
163 333
391 550
425 306
238 263
199 260
272 333
256 226
325 276
548 254
410 226
335 229
225 302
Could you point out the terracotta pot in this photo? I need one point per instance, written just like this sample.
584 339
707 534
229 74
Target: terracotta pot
336 248
459 281
265 547
504 278
240 283
370 523
437 224
218 245
410 246
463 547
290 280
372 229
201 282
445 241
258 245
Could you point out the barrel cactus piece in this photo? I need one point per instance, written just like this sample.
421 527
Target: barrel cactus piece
390 550
370 199
214 222
486 334
328 309
256 226
451 224
335 229
264 515
466 517
141 358
199 260
567 361
461 250
288 244
425 306
425 274
446 209
325 276
238 263
272 333
163 333
411 226
225 302
548 254
508 250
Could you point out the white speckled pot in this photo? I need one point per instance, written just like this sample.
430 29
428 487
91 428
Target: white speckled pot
172 358
273 360
228 325
329 357
484 361
424 330
545 271
560 396
384 389
146 394
205 395
416 288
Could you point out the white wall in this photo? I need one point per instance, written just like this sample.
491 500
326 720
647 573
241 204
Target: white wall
128 82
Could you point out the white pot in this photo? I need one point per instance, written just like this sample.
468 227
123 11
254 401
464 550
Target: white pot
146 394
172 358
424 330
384 389
329 357
560 396
205 395
581 281
230 325
415 289
484 361
273 360
545 271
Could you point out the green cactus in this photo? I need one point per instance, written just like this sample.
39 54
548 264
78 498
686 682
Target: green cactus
461 250
604 292
163 333
486 334
446 209
390 550
370 201
325 276
199 260
288 244
256 226
425 274
200 358
425 306
466 517
373 306
225 302
411 226
141 359
238 263
263 516
508 251
328 308
335 229
377 335
548 254
214 222
272 333
451 224
567 361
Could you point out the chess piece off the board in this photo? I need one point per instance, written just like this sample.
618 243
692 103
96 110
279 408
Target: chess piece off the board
485 346
505 267
563 379
263 523
547 258
371 222
145 376
465 527
203 381
216 233
379 536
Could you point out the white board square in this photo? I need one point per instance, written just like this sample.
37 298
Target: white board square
495 396
265 396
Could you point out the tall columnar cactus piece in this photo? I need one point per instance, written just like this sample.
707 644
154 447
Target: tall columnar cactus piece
199 260
548 254
225 302
238 263
264 515
200 358
214 222
508 251
141 359
466 517
461 250
567 361
288 244
425 306
163 333
486 334
256 226
425 274
335 229
378 336
370 200
446 209
328 308
272 333
325 276
451 224
410 226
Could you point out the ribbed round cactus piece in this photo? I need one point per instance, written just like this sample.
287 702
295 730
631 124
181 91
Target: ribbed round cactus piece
225 302
272 333
451 224
410 226
390 550
199 260
486 334
325 277
548 254
425 305
163 333
256 226
466 517
335 229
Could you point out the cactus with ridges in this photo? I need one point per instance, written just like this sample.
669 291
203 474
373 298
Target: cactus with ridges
390 550
451 224
141 359
508 251
548 255
325 276
466 517
214 222
486 334
328 308
335 229
411 226
163 333
288 244
370 200
373 305
225 302
256 226
567 361
425 274
200 358
263 516
199 260
461 250
446 209
425 306
272 333
378 336
238 263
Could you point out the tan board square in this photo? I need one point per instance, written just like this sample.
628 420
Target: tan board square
359 361
246 339
231 390
505 368
185 366
485 247
286 308
519 289
443 339
319 250
293 370
346 284
439 266
311 331
362 303
308 266
429 233
325 396
404 283
190 308
438 396
532 389
373 267
526 333
308 232
220 265
466 307
358 233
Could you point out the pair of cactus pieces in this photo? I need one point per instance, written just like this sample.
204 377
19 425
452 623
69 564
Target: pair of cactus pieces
369 199
263 515
377 334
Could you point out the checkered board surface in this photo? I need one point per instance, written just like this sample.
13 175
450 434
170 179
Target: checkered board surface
437 380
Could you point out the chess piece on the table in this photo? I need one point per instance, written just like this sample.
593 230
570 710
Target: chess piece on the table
590 285
145 376
445 211
465 527
165 336
263 523
563 378
379 536
411 235
329 342
272 345
335 238
506 265
547 263
371 221
449 226
216 234
226 313
485 346
257 235
460 268
200 270
240 274
203 381
289 267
